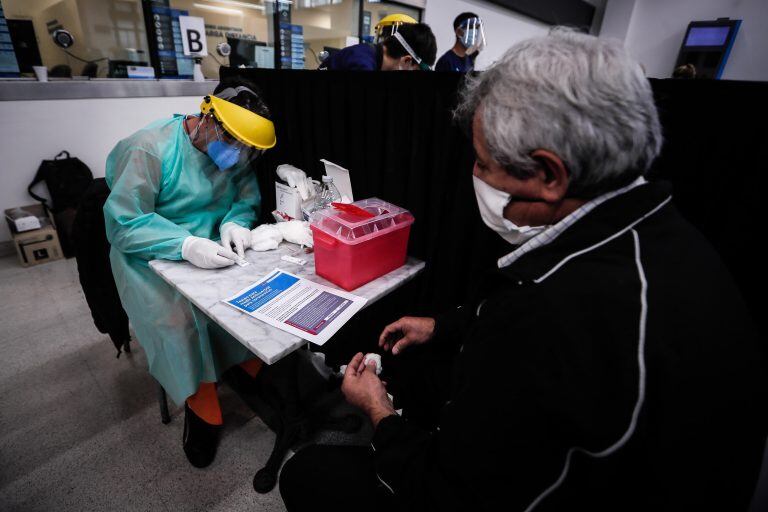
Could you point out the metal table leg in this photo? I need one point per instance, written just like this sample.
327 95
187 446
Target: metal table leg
162 400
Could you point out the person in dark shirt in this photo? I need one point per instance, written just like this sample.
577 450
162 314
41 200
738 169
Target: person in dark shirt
391 54
470 40
607 363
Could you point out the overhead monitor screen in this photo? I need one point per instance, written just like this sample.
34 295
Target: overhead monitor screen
707 36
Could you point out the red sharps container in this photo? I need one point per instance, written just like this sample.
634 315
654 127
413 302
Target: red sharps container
351 250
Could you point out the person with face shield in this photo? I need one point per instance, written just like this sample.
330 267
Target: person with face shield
390 24
470 41
403 47
607 362
183 189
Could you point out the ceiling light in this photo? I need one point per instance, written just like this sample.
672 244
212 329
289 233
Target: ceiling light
235 3
221 10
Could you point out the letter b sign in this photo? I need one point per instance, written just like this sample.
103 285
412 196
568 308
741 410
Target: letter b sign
193 36
193 40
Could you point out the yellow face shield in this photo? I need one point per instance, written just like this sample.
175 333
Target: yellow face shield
247 127
390 24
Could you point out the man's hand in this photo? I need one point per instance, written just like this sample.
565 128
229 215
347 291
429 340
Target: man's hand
363 389
409 330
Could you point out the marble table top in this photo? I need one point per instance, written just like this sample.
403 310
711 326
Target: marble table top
206 289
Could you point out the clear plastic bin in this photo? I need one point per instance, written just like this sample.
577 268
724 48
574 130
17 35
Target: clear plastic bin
351 250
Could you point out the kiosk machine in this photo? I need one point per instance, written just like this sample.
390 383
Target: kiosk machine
707 45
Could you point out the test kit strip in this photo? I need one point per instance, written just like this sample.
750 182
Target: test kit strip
291 259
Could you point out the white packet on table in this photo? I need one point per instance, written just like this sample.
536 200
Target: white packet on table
265 237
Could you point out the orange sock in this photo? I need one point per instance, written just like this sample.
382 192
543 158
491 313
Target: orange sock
252 367
205 403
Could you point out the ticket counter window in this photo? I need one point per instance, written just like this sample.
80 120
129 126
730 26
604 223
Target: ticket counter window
326 25
243 26
111 38
106 35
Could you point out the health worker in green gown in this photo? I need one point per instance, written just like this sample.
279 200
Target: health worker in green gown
177 186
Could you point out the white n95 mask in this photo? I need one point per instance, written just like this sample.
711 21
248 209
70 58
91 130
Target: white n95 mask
492 202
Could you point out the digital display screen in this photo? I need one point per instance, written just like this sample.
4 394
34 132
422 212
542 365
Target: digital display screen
707 36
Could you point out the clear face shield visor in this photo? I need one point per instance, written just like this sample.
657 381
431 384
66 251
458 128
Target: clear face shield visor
472 35
226 151
423 66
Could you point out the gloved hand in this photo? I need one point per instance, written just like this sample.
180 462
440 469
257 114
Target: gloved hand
235 234
266 237
297 232
205 253
297 178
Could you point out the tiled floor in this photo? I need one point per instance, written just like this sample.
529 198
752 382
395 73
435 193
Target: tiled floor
80 430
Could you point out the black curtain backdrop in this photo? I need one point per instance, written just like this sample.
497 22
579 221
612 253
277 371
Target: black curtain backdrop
396 135
715 138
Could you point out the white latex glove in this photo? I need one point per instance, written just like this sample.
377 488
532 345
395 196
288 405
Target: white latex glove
266 237
297 232
297 179
233 234
205 253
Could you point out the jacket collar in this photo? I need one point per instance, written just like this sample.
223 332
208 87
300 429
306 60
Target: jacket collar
605 222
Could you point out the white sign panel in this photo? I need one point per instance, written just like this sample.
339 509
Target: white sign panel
193 36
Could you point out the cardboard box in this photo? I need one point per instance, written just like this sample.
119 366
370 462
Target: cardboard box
288 200
39 245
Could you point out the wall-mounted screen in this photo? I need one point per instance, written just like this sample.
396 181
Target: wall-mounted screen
707 36
706 47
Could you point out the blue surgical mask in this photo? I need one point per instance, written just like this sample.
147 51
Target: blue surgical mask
469 37
473 37
223 155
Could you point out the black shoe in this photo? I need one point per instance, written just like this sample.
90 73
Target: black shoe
200 439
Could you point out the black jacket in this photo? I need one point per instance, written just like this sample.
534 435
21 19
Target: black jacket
615 368
92 252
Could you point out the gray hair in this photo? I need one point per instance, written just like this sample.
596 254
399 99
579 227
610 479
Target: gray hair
581 97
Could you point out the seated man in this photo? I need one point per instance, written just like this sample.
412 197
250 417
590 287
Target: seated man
608 363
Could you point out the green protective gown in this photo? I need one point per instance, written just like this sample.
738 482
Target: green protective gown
163 190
